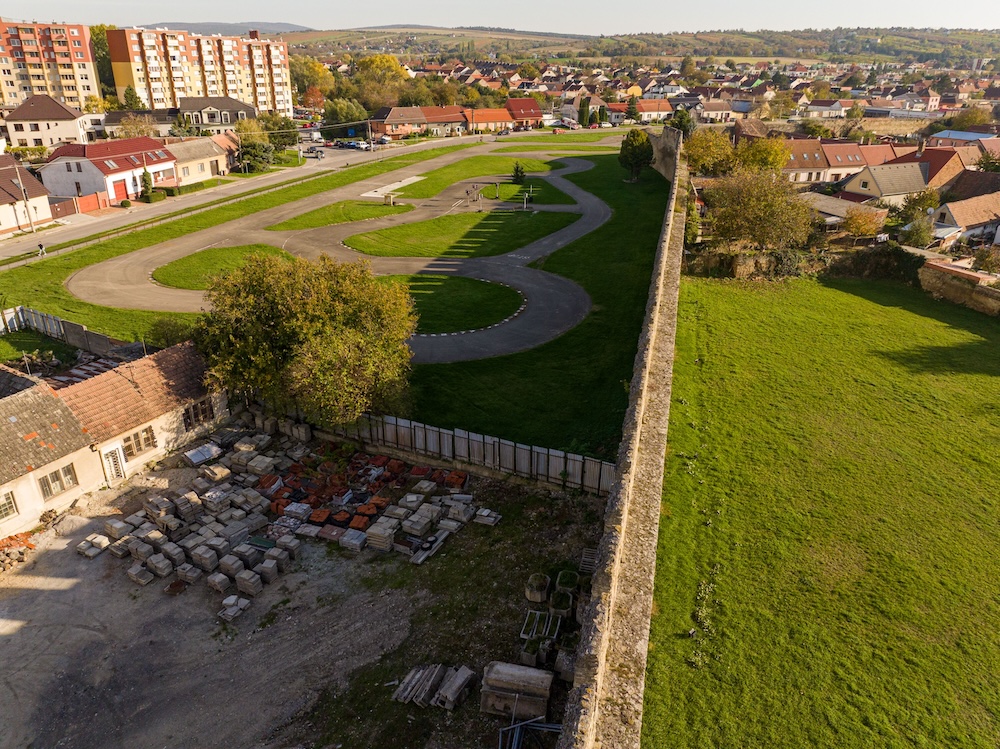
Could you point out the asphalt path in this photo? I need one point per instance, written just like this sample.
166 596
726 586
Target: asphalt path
553 304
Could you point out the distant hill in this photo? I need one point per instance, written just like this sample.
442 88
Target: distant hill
229 29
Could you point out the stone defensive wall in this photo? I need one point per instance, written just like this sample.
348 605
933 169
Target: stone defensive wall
605 705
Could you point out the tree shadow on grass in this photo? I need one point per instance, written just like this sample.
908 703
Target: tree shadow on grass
981 356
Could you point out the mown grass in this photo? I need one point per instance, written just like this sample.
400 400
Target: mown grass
343 212
462 234
194 271
446 304
477 166
570 393
40 284
832 476
18 342
588 136
541 192
554 147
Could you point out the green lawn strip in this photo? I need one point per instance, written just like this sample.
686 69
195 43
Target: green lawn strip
343 212
541 192
446 304
570 393
832 474
555 147
248 175
589 136
476 234
477 166
289 157
40 285
17 342
194 271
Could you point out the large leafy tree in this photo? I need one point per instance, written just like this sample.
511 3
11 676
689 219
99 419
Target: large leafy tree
102 58
131 100
137 125
323 337
919 204
861 221
281 131
683 121
341 111
308 71
760 208
636 152
763 153
708 151
971 116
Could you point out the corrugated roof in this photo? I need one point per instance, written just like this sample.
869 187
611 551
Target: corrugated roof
137 392
36 428
41 107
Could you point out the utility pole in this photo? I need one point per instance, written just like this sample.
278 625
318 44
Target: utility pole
24 194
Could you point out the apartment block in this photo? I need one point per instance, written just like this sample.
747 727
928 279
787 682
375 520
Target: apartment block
46 58
165 66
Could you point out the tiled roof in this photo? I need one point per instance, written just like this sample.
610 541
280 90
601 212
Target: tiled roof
137 392
976 212
843 154
222 103
971 184
11 175
113 156
806 153
940 164
438 115
41 107
526 107
898 179
36 428
194 149
488 115
653 105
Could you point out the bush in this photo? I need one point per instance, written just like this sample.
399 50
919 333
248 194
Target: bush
153 197
887 261
185 189
126 203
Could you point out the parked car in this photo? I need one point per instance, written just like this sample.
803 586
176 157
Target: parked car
363 145
594 126
605 124
557 130
385 140
505 131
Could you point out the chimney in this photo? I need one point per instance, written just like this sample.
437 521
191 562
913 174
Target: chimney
254 34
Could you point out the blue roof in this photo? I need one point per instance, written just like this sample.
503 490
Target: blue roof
963 135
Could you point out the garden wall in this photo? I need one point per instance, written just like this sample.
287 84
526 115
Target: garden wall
604 708
960 287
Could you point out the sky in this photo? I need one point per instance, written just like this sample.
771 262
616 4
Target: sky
560 16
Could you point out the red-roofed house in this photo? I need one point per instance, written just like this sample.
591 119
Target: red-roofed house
443 121
654 110
23 199
845 159
941 166
114 167
806 161
525 112
488 120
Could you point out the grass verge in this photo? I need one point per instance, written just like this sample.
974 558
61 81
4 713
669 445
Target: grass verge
477 166
572 392
554 147
829 522
447 304
18 342
40 285
194 271
541 192
462 234
343 212
589 136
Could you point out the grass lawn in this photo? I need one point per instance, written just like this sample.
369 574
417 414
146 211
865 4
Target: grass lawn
462 234
554 146
447 304
542 192
570 393
248 175
585 136
830 522
12 345
193 271
477 166
288 157
343 212
40 285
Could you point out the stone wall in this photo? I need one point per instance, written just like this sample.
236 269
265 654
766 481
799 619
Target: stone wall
960 288
605 705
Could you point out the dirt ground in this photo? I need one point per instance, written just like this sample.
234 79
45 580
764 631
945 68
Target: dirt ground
90 659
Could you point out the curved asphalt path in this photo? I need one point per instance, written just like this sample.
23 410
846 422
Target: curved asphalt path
554 304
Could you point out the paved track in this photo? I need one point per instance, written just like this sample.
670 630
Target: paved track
553 306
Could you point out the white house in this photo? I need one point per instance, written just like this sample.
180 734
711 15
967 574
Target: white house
42 121
114 167
24 201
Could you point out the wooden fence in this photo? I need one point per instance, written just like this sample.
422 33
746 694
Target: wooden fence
528 461
25 318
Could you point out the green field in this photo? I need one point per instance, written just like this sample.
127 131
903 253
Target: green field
541 192
40 284
12 345
446 304
343 212
462 234
194 271
554 147
476 166
830 522
580 136
572 392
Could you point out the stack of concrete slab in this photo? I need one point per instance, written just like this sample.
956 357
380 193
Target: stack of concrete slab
218 581
461 512
159 565
353 540
93 545
231 565
298 511
400 513
249 582
204 558
307 530
139 574
486 517
424 487
261 465
290 544
235 532
279 556
188 573
382 534
268 570
215 473
421 521
188 506
140 550
120 548
454 688
232 607
216 500
219 545
515 691
173 552
116 529
435 685
411 501
156 506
